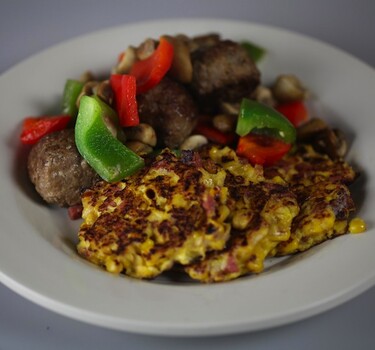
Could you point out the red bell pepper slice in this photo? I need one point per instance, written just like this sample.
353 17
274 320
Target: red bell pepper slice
296 112
150 72
214 135
261 149
34 128
124 88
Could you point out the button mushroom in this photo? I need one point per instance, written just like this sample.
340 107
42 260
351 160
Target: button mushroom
288 88
324 139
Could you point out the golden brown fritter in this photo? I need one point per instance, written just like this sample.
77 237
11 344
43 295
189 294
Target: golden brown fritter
144 224
214 213
320 185
261 219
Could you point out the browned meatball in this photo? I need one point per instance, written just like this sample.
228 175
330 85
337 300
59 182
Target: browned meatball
58 171
170 110
223 72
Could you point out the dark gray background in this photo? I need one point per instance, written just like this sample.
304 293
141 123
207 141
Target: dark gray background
28 26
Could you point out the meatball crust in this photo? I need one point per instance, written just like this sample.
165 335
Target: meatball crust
58 171
223 72
170 110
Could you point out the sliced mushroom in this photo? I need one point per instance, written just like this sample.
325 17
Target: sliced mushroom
146 49
143 132
182 68
331 143
88 89
311 128
324 139
86 76
139 147
193 142
230 108
264 95
224 122
342 143
105 92
102 89
126 61
288 88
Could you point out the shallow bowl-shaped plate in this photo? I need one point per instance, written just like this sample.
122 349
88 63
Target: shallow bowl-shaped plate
37 243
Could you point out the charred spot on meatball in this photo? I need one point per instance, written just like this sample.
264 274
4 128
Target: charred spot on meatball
58 171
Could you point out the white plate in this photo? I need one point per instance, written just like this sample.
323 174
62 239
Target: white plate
37 244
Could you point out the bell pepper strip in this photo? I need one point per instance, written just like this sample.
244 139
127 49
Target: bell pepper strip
107 155
214 135
296 112
261 149
255 52
124 88
72 89
254 115
34 128
150 72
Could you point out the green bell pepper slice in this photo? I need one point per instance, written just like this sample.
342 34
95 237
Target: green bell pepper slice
72 89
107 155
257 117
254 51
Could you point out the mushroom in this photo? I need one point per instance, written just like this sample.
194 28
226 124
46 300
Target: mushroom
146 49
230 108
193 142
126 62
264 95
224 122
288 88
139 147
143 132
324 139
102 89
182 68
105 92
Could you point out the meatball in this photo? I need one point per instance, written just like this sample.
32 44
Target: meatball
58 171
170 110
223 72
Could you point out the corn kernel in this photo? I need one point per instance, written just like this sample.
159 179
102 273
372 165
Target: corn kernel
357 225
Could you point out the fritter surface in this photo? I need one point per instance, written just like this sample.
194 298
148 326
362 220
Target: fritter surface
321 186
163 215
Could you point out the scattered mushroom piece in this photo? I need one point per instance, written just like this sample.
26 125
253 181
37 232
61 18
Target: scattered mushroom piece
288 88
182 68
105 92
146 49
193 142
87 90
86 76
324 139
139 147
126 61
143 132
264 95
102 89
224 122
230 108
331 143
310 129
